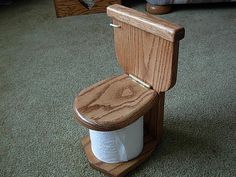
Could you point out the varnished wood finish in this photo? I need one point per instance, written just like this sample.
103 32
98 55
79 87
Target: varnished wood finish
75 7
153 119
158 9
157 26
119 169
113 104
146 47
147 56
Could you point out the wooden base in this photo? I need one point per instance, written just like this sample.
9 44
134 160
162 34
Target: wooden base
78 7
119 169
156 9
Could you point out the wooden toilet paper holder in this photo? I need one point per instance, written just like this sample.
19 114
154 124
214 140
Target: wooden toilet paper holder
147 50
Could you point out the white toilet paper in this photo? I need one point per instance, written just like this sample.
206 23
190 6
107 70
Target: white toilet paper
119 145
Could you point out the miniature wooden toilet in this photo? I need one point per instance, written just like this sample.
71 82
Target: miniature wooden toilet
147 50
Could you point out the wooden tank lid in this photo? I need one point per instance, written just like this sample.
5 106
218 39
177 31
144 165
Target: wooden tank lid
154 25
113 103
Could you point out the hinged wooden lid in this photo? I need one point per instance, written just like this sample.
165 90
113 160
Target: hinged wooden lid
113 103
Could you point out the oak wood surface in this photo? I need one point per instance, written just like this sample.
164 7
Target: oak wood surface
75 7
153 119
119 169
146 22
147 48
147 56
113 103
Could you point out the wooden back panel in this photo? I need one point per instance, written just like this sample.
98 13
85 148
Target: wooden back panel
146 46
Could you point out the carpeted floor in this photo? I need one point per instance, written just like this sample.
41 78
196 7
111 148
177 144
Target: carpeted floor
45 61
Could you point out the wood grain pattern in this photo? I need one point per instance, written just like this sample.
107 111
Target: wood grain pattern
113 104
147 48
147 56
153 119
119 169
74 7
146 22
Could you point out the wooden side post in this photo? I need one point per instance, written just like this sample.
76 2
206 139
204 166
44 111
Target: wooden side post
153 119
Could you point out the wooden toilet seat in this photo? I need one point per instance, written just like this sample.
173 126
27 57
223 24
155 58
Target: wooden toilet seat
113 103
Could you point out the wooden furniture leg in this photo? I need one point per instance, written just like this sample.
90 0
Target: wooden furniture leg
153 119
157 9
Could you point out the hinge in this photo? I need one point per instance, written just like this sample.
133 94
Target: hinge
115 26
140 81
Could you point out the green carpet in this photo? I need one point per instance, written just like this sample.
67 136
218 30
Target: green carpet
45 61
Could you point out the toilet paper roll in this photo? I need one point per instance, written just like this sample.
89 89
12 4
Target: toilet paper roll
119 145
